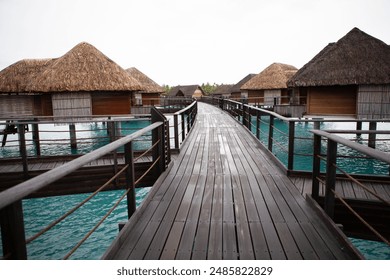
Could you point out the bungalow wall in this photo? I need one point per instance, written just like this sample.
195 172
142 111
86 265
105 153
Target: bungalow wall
111 103
16 105
332 100
69 105
373 102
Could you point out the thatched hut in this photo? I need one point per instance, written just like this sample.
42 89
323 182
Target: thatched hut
349 77
235 93
150 94
190 91
83 82
269 87
223 91
16 80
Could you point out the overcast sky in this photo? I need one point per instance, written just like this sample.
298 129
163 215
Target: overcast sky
187 41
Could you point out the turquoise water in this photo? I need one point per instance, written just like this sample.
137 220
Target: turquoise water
303 146
54 139
57 242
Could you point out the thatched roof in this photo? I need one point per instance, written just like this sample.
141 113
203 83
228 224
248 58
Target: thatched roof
274 76
148 85
237 87
186 91
84 68
357 58
20 76
223 89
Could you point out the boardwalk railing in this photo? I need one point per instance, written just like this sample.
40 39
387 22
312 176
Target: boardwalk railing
289 140
11 212
37 138
330 155
183 121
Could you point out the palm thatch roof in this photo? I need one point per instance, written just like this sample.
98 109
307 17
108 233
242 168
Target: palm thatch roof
274 76
223 90
20 76
357 58
186 91
148 85
237 87
84 68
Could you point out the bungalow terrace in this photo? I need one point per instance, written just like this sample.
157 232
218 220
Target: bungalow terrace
350 77
148 96
83 82
269 87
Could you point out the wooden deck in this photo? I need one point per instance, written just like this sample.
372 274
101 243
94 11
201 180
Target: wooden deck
224 199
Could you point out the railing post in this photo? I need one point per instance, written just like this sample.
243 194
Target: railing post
258 122
12 232
188 122
72 136
35 137
291 136
243 113
270 132
372 136
176 130
315 188
330 178
183 130
22 148
131 199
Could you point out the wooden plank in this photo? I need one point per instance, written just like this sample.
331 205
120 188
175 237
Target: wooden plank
215 238
229 223
190 229
202 236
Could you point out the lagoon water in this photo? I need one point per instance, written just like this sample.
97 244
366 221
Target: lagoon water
59 240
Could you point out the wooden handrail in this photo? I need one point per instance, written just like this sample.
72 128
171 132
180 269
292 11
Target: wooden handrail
185 109
385 157
24 189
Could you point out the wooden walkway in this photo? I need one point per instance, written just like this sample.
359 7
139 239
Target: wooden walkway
224 199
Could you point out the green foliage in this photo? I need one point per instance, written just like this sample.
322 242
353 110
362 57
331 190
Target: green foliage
209 89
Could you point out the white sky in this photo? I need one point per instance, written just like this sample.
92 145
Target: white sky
187 41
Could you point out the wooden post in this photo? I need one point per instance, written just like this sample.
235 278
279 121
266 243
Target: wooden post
183 130
270 132
330 178
315 188
72 133
35 137
188 122
258 124
243 114
372 136
23 149
291 138
12 232
176 130
131 198
358 127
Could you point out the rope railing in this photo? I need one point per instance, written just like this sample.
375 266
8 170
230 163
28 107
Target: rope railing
330 175
13 196
361 219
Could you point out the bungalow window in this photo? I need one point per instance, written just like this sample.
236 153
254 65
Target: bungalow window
138 99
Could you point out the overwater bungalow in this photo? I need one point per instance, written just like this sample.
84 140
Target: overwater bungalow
189 91
16 96
83 82
269 87
148 96
236 89
223 91
350 77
